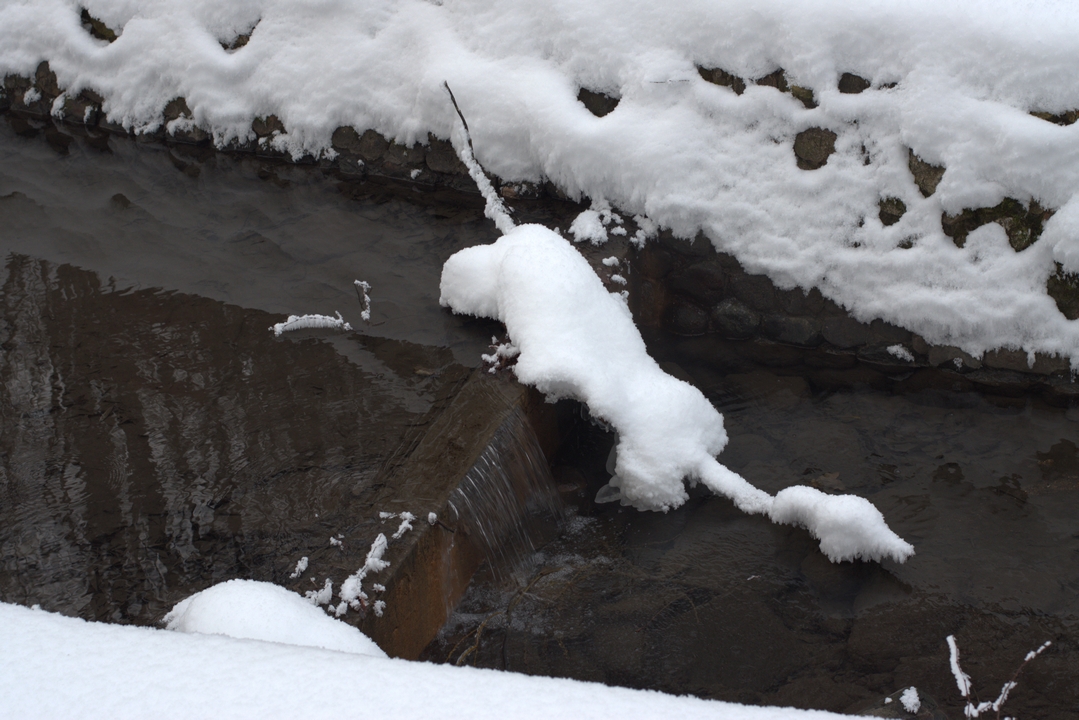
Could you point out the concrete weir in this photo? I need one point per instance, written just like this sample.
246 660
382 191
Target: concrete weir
482 469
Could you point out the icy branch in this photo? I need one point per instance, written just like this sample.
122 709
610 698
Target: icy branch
362 290
310 322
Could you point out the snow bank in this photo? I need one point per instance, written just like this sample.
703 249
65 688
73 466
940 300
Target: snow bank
574 339
246 609
54 666
955 82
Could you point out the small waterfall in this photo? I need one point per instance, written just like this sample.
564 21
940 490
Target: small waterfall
507 502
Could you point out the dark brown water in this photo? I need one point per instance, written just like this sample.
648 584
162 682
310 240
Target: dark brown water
156 438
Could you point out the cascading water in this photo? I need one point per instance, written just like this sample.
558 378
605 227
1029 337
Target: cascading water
507 502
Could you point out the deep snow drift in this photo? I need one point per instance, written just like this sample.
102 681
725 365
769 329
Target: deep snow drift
955 82
58 667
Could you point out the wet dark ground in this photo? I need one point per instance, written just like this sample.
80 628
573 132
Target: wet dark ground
156 438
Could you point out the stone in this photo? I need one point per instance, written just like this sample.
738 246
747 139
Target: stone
800 302
926 176
442 158
1063 287
685 318
813 147
175 109
703 281
404 157
851 84
1004 359
1063 119
1004 382
522 190
845 332
734 320
792 330
804 95
941 354
267 126
1023 224
776 79
698 247
97 28
45 81
597 103
891 210
883 333
756 291
724 78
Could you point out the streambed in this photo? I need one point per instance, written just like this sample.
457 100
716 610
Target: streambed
157 439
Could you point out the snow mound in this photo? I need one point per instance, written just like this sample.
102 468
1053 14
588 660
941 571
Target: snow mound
247 609
576 340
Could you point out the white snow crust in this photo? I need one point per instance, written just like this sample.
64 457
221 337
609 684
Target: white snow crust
247 609
576 340
59 667
677 150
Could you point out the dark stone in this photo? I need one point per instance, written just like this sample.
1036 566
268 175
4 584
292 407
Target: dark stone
372 146
880 357
96 28
734 320
710 351
522 190
892 707
831 359
804 95
891 210
883 333
772 354
792 330
83 109
813 147
23 127
46 83
776 79
175 109
442 158
685 318
845 332
599 104
800 302
703 281
238 42
756 291
1003 382
1023 224
265 127
851 84
926 176
1063 119
698 247
404 157
1063 287
722 77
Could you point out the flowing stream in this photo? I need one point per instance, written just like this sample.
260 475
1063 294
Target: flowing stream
157 438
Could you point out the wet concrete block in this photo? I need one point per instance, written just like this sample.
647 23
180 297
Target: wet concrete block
845 332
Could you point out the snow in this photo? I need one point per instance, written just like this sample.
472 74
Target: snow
575 340
901 353
301 567
310 322
246 609
55 666
910 700
953 81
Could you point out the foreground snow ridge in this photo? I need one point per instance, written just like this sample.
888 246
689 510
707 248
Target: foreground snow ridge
59 667
576 340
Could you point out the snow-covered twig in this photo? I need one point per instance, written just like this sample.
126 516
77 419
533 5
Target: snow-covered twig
972 710
495 209
308 322
362 289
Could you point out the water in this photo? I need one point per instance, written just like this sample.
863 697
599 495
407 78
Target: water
507 501
155 438
709 601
